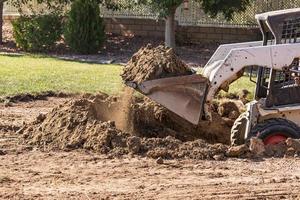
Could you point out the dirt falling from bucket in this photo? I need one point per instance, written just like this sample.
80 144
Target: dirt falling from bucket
123 115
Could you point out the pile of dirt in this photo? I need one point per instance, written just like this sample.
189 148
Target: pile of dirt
81 123
86 123
151 63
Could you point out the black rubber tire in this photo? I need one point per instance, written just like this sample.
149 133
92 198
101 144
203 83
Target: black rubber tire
271 126
238 130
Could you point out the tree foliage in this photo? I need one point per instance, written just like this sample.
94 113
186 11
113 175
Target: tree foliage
166 9
211 7
227 7
58 6
163 7
84 30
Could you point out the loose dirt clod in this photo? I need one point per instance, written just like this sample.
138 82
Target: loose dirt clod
293 144
2 153
278 150
219 157
134 144
230 108
237 151
152 63
257 146
159 161
243 95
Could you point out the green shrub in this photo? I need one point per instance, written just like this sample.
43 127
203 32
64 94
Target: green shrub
38 32
84 30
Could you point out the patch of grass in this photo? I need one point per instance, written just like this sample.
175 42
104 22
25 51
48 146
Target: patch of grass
35 74
237 86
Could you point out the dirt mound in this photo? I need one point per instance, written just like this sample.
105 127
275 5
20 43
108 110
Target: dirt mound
87 122
81 123
151 63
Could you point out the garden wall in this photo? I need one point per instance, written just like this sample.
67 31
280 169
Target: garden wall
195 34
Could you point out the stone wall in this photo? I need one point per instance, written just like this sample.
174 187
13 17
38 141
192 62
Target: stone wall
194 34
8 18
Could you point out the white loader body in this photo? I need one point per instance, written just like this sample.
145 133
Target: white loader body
276 61
221 73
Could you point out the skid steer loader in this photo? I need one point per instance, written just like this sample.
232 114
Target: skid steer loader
274 115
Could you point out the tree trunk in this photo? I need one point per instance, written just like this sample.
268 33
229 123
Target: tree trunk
1 21
170 30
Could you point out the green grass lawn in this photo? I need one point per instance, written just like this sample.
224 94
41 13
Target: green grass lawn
34 74
243 83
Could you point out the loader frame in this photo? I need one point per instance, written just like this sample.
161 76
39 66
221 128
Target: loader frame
276 63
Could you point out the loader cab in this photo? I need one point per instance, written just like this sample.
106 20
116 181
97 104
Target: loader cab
279 87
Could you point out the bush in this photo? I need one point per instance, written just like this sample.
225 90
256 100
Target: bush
38 32
84 31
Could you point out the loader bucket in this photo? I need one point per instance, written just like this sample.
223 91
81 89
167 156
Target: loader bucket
183 95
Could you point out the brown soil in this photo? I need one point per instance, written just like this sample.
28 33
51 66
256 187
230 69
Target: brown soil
138 129
152 63
32 97
88 122
230 108
81 175
28 173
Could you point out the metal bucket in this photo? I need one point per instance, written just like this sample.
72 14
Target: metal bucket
183 95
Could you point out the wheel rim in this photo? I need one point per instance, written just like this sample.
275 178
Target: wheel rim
275 139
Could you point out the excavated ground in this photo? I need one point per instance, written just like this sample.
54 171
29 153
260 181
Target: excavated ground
96 123
31 173
88 122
